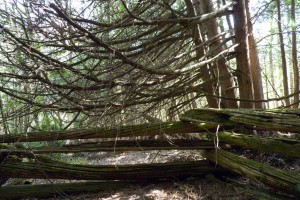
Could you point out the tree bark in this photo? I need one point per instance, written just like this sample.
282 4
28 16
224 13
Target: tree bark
287 120
46 168
243 71
261 172
113 146
208 86
258 92
51 190
227 85
104 132
288 148
283 57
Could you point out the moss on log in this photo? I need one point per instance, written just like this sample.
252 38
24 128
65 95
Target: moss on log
288 148
106 132
61 189
46 168
287 120
261 172
207 118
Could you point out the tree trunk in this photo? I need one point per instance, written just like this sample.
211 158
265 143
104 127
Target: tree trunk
227 85
242 59
254 63
294 57
208 86
272 70
283 57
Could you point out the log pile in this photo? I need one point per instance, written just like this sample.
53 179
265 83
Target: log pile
229 127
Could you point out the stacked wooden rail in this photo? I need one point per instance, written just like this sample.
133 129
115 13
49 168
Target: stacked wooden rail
232 128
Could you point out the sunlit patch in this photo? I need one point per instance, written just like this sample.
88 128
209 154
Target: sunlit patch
157 194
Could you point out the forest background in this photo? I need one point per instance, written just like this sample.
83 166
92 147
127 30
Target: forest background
73 64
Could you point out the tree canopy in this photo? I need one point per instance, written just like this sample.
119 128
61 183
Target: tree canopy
67 61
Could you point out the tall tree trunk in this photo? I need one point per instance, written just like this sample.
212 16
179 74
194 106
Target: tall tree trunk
254 63
294 56
227 84
208 86
271 63
283 57
242 58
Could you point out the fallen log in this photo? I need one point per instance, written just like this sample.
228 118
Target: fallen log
45 168
257 192
113 146
288 148
207 118
61 189
285 147
260 172
287 120
105 132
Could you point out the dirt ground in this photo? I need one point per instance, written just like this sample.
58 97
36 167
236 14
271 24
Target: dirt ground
193 189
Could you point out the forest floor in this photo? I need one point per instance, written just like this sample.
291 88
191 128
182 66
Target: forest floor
193 188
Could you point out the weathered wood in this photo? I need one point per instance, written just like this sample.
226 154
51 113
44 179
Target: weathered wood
276 119
45 168
288 148
61 189
106 132
261 172
207 118
114 146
